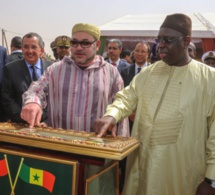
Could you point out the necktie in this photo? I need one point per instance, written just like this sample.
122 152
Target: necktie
34 73
114 64
138 70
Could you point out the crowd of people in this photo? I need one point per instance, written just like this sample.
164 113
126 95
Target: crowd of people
161 95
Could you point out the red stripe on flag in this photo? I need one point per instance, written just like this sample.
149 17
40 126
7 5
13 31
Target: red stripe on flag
3 168
48 180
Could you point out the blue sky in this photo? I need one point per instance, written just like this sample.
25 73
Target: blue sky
56 17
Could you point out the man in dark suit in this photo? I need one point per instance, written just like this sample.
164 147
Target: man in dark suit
3 61
141 53
16 52
19 74
114 50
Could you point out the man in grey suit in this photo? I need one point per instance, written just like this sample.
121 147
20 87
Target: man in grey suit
18 75
114 50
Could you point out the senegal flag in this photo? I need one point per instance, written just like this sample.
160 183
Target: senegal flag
3 168
37 177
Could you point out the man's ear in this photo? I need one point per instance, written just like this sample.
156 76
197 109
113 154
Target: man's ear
187 40
42 49
98 43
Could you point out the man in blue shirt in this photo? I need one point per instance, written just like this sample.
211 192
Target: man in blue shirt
19 74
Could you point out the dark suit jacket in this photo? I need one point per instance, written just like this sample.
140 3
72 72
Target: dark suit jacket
122 64
128 74
16 80
14 56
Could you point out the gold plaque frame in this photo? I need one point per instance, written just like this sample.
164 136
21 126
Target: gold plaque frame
76 142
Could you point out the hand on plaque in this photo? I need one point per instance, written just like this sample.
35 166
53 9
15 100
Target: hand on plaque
32 114
104 125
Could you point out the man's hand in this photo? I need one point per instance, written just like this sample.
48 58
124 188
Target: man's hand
32 114
103 125
205 189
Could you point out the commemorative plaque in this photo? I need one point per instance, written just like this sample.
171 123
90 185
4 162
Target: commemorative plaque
77 142
44 160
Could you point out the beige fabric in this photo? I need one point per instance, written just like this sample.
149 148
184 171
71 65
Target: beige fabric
173 107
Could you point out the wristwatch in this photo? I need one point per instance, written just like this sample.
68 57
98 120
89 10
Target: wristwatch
211 182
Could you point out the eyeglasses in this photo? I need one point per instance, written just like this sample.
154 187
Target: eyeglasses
83 44
167 40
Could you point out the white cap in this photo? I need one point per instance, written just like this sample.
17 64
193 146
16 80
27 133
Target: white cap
209 54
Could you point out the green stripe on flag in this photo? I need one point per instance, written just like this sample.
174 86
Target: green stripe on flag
25 173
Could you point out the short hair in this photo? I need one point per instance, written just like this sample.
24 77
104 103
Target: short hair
16 42
32 34
116 41
124 53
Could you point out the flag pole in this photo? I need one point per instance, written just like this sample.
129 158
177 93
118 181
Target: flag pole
5 156
17 174
11 185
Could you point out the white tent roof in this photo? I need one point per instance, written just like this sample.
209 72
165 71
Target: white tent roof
147 25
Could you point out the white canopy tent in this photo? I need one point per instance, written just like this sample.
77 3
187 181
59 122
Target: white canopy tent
147 25
131 29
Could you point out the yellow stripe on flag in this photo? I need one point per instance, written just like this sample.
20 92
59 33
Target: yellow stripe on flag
36 176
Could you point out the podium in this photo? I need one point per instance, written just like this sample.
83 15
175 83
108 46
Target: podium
59 162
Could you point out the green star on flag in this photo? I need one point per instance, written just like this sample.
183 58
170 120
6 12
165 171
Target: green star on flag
37 177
